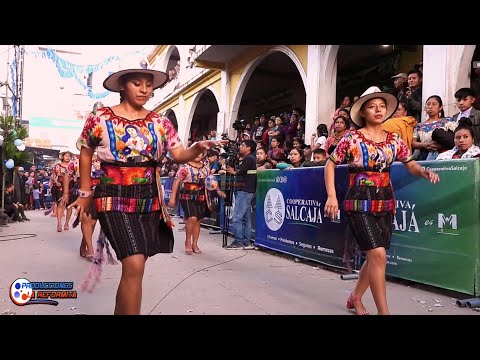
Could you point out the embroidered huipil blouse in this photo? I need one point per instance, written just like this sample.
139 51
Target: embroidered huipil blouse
115 138
369 164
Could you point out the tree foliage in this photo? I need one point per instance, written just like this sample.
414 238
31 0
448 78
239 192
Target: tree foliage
11 132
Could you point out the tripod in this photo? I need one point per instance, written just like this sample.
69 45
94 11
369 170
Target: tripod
227 205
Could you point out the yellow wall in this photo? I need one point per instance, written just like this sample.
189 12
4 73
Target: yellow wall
158 53
302 53
212 79
237 66
172 103
189 95
176 110
409 59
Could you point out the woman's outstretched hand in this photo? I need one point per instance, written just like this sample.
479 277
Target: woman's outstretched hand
431 176
331 208
210 144
82 206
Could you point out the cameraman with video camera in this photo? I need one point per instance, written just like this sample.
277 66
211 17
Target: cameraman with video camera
245 184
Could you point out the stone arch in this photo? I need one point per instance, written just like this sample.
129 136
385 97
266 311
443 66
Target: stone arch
172 116
331 53
196 99
168 55
250 68
465 67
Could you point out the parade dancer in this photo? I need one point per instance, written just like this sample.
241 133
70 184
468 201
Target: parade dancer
369 202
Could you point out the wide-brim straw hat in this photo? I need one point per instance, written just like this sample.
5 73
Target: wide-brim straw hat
373 92
112 82
60 156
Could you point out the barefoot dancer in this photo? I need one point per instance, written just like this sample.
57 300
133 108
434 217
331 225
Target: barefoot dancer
369 202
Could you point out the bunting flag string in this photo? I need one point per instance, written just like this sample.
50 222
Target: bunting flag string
13 74
68 70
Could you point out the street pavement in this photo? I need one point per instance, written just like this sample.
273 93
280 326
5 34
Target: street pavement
217 282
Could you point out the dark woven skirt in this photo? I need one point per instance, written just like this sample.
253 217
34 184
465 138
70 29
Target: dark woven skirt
129 216
193 208
72 194
371 231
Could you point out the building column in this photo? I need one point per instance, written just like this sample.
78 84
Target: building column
435 72
182 120
224 101
220 123
459 63
321 87
446 68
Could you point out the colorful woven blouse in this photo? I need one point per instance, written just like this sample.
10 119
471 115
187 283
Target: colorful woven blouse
369 164
115 138
191 174
59 171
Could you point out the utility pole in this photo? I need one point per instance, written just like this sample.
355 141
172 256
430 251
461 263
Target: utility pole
5 102
5 109
19 83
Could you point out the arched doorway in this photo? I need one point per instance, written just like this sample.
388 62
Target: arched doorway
272 84
474 65
362 66
172 63
170 114
203 115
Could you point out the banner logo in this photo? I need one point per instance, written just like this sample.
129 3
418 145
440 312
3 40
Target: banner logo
447 224
274 209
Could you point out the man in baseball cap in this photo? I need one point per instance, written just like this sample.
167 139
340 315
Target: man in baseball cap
400 75
400 84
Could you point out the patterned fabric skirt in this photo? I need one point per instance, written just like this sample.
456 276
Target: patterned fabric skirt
194 209
370 207
193 201
371 230
72 193
128 208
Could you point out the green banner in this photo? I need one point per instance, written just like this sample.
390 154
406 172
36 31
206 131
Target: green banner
436 230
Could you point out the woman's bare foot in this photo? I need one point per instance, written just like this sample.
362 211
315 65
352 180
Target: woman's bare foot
188 248
356 304
196 249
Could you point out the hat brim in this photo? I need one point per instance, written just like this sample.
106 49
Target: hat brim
112 82
390 100
60 156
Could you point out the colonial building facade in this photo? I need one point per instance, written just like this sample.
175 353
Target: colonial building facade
234 78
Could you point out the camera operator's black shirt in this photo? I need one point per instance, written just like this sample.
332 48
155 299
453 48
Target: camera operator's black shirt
250 180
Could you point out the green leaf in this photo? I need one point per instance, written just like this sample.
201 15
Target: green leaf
106 180
140 181
9 148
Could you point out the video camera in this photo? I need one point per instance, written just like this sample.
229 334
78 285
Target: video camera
232 149
239 124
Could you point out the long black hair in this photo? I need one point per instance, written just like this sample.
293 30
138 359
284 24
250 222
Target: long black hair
465 123
441 113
